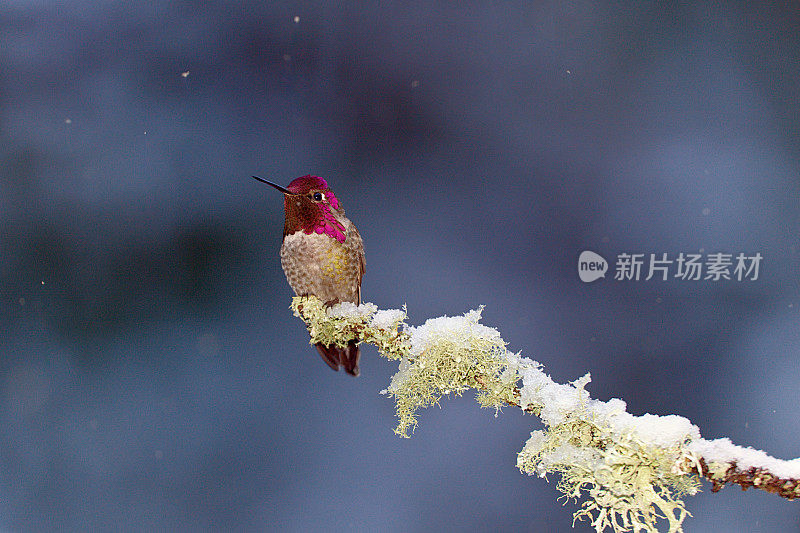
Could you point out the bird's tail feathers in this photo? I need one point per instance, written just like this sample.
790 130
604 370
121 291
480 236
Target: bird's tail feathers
335 357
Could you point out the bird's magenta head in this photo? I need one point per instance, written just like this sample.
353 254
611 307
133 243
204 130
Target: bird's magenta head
309 206
305 185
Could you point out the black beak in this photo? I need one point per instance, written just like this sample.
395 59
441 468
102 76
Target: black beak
283 190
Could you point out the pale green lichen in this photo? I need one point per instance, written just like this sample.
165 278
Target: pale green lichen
334 325
717 470
630 482
474 359
449 368
450 356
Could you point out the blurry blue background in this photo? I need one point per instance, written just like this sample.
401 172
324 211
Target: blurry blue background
151 374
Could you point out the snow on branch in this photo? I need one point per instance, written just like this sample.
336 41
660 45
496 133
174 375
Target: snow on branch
633 471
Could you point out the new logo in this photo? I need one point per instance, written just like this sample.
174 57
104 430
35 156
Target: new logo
591 266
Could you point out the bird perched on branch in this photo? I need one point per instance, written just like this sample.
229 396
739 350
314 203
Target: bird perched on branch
322 254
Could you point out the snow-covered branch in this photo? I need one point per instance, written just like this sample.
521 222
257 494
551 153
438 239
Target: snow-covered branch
633 470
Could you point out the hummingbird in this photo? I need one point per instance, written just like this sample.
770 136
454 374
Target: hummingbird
322 254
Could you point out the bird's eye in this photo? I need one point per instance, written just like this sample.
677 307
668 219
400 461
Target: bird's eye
318 197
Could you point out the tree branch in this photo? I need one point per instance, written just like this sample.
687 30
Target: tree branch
632 470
